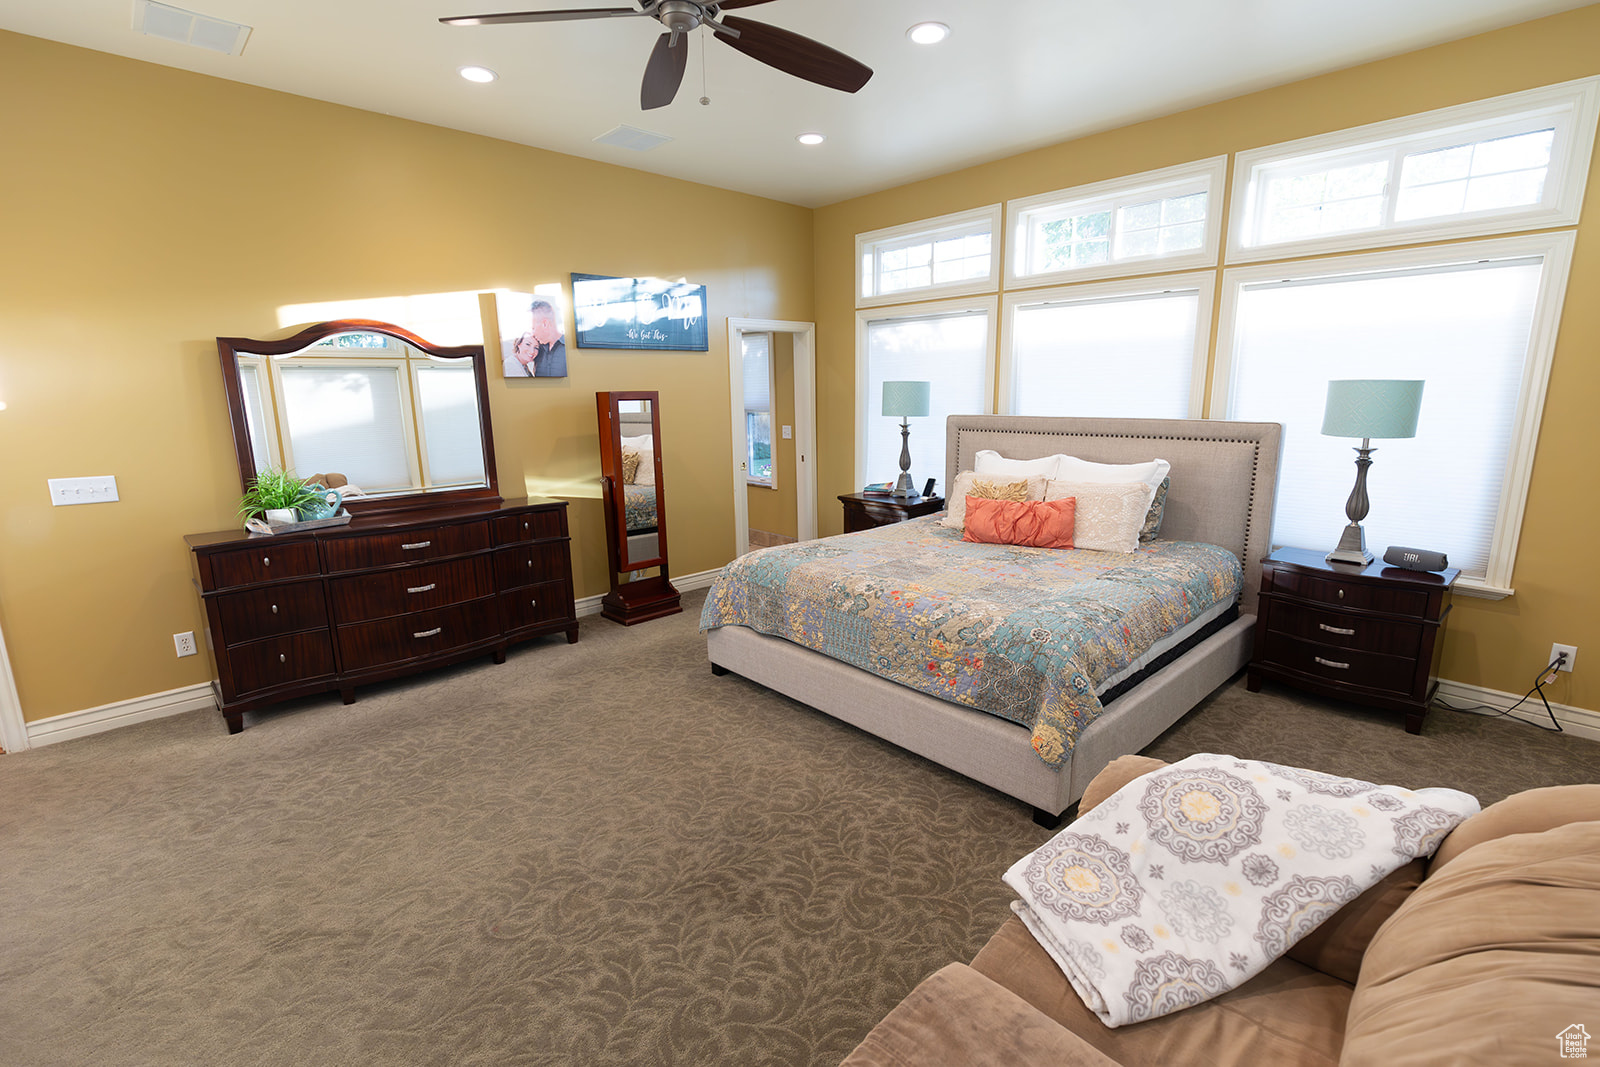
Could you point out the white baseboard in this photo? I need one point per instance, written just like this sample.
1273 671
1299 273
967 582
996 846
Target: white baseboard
1579 722
590 605
123 713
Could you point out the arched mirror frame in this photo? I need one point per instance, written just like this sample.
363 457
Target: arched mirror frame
645 598
228 348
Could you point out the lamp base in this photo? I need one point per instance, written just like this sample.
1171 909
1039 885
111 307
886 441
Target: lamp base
903 488
1352 547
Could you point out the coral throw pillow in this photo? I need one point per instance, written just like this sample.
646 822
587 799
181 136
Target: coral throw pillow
1030 523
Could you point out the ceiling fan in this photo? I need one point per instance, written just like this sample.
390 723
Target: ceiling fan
787 51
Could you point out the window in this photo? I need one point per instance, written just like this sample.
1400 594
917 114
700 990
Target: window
447 407
1513 162
950 254
758 408
949 345
1475 321
1157 221
350 418
1115 350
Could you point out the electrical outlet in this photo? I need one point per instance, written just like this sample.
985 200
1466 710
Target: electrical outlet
99 490
184 643
1570 650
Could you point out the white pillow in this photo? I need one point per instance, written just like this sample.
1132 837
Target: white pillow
1108 515
956 500
1151 473
988 461
644 444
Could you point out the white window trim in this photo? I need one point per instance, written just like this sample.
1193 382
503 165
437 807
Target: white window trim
1204 282
1556 249
1206 175
864 403
1578 101
868 243
772 415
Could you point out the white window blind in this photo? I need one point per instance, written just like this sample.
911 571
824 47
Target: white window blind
758 406
447 400
951 352
1116 356
1463 328
348 420
255 416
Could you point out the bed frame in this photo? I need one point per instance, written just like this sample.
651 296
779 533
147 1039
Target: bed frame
1224 479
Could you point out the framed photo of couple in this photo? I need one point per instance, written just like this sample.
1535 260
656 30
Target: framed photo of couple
533 341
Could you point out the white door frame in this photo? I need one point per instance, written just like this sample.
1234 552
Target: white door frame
805 424
13 731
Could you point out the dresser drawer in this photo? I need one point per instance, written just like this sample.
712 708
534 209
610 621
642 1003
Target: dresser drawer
1345 666
527 564
421 543
536 605
265 563
1350 594
275 609
277 661
530 526
396 592
1338 629
377 644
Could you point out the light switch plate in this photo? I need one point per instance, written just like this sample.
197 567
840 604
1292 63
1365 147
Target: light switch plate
788 432
98 490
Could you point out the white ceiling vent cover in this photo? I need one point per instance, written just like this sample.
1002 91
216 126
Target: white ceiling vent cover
629 137
187 27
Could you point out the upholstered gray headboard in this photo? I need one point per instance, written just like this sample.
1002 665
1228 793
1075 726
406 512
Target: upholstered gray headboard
1224 474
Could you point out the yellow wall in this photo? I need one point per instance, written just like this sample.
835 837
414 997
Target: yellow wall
1500 645
150 210
777 510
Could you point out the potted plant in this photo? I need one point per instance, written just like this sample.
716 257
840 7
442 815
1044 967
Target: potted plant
277 496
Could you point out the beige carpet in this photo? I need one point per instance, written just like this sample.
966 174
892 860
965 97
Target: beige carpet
592 854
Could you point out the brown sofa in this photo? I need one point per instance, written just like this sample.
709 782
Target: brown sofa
1488 953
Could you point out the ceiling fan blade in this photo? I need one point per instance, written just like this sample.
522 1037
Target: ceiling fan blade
729 5
542 16
794 54
664 72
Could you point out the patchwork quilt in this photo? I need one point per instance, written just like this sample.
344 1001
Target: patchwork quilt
639 507
1023 633
1191 879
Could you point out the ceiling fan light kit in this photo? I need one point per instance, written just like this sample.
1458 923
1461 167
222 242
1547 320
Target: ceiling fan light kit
663 73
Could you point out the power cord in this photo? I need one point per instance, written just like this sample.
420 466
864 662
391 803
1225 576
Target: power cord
1545 677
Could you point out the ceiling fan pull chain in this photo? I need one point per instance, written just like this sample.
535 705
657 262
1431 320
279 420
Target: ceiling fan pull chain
705 100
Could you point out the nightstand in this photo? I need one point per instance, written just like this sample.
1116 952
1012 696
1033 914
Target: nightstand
862 512
1370 635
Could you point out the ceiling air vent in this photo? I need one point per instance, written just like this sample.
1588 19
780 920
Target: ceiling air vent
628 137
186 27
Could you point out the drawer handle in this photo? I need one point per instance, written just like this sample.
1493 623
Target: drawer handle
425 588
1336 629
1341 593
524 526
274 609
282 658
533 603
1331 663
430 633
266 561
425 544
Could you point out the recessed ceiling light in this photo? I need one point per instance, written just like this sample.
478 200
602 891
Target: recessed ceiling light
928 32
811 138
483 75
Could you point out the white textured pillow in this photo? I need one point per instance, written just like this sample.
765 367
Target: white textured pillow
988 461
994 487
1151 473
644 444
1108 516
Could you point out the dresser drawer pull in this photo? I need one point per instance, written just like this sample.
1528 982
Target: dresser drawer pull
1331 663
282 658
524 526
434 585
1341 593
533 603
274 609
430 633
425 544
1336 629
266 561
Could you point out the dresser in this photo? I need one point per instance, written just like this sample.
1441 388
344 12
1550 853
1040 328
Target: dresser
1370 635
862 512
385 596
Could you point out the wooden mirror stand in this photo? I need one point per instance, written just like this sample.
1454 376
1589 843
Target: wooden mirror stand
634 500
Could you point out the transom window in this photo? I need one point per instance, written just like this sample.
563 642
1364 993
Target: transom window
951 254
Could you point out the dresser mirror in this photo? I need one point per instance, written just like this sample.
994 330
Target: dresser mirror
634 499
405 422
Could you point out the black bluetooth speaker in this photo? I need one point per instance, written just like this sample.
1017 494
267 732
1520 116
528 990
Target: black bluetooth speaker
1415 559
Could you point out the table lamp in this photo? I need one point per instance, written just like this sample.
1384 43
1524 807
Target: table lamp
1367 408
905 399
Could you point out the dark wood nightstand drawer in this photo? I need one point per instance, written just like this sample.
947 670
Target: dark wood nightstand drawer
863 512
1344 630
1337 592
1346 666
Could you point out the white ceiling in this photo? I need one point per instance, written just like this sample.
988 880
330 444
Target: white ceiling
1014 74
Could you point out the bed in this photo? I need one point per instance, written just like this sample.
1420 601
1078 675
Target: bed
1223 480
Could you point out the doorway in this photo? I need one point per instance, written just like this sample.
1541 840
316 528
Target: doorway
13 731
791 343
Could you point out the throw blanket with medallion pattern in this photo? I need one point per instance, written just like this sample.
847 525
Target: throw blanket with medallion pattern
1189 880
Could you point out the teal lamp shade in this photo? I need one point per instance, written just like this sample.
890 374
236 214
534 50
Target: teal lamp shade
1368 407
906 399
